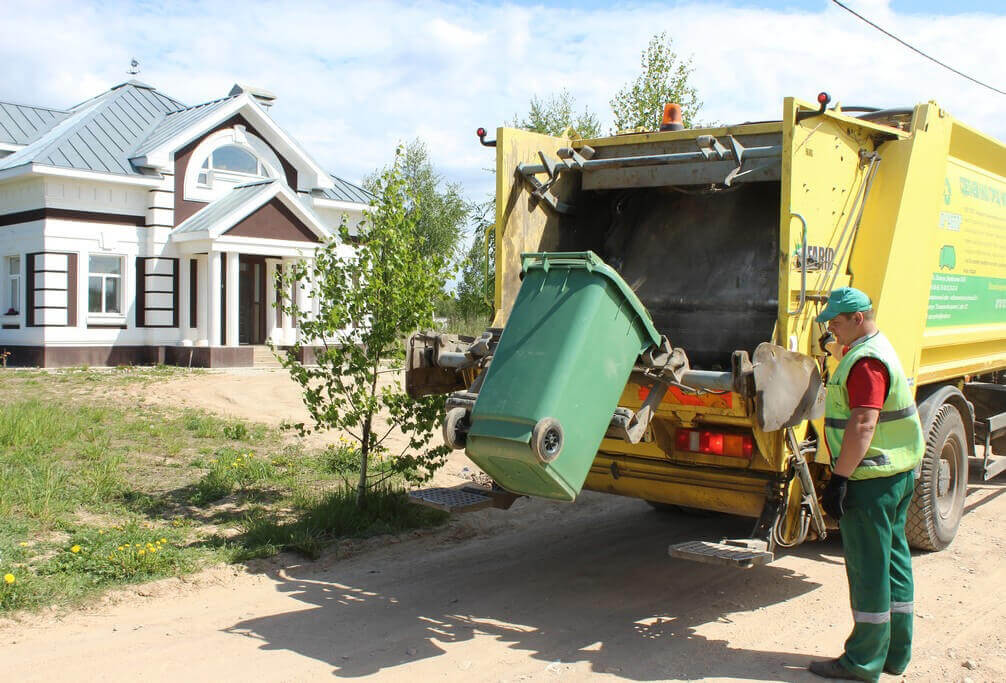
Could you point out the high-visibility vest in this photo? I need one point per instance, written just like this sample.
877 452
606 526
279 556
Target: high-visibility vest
897 444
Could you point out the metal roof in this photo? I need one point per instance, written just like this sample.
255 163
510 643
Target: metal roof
98 135
204 219
105 132
345 191
176 122
20 123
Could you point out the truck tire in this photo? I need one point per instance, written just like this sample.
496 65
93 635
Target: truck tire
935 511
455 437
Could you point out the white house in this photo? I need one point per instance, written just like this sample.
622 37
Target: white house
137 230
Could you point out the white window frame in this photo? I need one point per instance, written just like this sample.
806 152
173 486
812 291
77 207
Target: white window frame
12 283
121 277
238 136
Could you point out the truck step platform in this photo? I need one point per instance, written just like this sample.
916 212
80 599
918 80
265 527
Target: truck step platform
464 498
742 553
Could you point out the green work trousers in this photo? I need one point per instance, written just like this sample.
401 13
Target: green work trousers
879 566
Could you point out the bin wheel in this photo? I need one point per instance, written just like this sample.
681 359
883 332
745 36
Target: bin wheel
456 429
546 439
935 512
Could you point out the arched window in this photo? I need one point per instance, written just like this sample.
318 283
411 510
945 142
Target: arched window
230 163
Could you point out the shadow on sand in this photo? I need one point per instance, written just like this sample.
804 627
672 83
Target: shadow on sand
598 589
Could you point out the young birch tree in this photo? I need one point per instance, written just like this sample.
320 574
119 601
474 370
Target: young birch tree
370 299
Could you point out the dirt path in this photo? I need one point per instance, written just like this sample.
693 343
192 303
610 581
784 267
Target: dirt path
542 592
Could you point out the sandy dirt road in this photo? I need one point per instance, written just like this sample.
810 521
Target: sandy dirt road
542 592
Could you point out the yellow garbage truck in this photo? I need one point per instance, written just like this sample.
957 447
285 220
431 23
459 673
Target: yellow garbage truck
653 332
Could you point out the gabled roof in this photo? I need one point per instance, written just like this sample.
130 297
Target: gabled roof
177 121
221 215
20 123
131 130
99 134
345 191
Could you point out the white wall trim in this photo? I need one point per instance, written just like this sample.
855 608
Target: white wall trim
38 169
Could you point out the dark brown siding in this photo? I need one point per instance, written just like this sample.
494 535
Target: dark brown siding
29 291
161 284
223 299
184 209
273 221
193 293
69 356
70 214
71 290
141 291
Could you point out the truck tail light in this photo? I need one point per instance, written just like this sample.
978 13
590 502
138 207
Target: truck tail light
714 443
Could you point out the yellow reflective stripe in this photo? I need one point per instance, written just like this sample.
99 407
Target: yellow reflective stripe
871 617
902 607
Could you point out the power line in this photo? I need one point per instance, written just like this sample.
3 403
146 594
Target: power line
915 49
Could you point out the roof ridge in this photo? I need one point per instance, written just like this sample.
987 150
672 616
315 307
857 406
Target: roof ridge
202 104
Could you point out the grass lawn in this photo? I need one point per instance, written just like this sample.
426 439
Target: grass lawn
98 491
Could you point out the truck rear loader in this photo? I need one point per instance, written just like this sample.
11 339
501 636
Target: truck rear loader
653 329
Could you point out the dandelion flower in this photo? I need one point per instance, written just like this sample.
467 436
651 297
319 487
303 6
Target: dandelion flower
23 544
164 540
101 531
75 549
141 552
9 579
120 547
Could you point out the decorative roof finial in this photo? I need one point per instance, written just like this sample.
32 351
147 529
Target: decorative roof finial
134 67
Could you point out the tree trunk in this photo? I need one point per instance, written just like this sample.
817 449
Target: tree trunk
361 486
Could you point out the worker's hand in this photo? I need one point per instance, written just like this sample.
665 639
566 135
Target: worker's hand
833 496
824 340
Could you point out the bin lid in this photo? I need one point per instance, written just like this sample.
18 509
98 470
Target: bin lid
591 262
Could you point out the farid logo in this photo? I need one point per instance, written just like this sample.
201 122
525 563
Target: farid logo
946 191
818 257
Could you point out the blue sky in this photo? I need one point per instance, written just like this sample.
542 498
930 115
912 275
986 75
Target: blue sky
354 79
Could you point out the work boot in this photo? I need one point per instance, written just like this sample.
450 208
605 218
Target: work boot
832 668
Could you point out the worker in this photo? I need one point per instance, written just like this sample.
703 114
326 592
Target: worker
874 436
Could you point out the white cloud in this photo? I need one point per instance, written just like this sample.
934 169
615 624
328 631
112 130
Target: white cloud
353 80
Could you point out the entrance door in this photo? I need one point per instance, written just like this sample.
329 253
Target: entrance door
251 300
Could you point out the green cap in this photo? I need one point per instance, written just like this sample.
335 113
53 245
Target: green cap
844 300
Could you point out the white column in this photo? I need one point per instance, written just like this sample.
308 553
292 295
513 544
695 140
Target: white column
184 287
212 311
270 300
202 299
232 298
288 332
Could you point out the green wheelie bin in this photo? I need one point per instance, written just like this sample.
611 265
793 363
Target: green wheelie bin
568 348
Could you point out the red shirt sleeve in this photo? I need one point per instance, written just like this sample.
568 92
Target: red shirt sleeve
868 384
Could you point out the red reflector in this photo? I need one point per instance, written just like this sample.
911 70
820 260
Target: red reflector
733 445
481 132
711 442
714 443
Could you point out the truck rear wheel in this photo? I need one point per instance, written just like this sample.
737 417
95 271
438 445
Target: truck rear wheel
936 509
